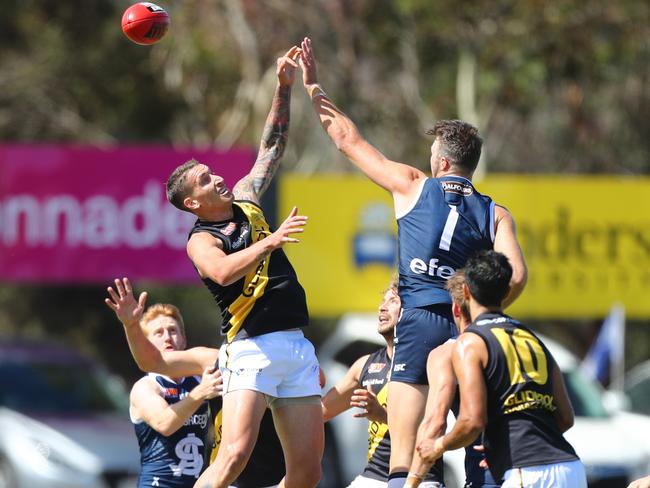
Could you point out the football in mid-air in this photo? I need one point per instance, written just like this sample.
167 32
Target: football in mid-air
145 23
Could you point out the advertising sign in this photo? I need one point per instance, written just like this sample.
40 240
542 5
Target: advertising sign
89 214
586 241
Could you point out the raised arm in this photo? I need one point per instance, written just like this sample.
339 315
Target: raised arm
275 133
148 358
505 242
397 178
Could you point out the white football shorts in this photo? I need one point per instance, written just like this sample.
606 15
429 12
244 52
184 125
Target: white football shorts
570 474
279 364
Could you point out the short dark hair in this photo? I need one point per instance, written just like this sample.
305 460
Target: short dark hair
487 274
176 184
460 143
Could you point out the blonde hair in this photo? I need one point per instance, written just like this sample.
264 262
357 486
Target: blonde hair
162 310
393 284
454 286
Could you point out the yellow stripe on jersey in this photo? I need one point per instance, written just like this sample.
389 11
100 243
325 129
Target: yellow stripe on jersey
377 430
256 280
217 436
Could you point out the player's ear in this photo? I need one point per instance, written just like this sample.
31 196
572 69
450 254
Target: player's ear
466 293
455 310
445 165
190 203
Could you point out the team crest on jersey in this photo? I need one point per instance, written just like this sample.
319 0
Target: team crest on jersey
229 229
171 392
376 367
455 187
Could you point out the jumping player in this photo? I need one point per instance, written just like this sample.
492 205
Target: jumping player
266 359
511 388
364 386
441 222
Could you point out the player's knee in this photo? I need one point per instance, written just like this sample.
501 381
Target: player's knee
236 457
307 476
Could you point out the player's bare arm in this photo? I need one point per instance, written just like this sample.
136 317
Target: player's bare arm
442 389
148 403
469 356
397 178
274 135
337 399
206 251
505 241
564 414
148 358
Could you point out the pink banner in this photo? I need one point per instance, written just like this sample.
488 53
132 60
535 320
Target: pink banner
88 214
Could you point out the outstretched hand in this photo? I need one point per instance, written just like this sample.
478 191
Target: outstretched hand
286 66
293 224
123 303
308 63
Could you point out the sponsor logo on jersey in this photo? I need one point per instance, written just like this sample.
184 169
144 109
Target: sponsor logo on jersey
372 382
200 419
229 229
376 367
419 266
527 399
399 367
460 188
172 392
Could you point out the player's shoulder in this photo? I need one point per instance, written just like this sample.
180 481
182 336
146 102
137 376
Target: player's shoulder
146 384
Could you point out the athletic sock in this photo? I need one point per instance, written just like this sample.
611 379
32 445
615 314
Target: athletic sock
397 480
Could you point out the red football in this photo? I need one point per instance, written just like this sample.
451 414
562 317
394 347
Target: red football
145 23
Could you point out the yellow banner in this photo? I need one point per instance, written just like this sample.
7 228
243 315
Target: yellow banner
586 241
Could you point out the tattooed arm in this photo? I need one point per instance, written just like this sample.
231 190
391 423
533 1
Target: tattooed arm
275 134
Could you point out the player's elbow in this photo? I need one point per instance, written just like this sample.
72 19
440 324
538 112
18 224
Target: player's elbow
519 278
150 363
163 427
222 276
474 424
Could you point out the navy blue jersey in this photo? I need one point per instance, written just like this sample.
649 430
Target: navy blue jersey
174 461
448 223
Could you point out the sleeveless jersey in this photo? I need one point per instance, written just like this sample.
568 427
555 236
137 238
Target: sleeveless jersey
269 298
177 460
266 465
375 374
448 222
521 429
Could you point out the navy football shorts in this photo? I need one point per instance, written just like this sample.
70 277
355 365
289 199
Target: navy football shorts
418 332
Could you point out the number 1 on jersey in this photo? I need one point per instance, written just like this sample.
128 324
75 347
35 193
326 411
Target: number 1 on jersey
448 231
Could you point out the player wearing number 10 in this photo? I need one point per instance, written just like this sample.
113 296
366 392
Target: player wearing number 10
511 388
441 222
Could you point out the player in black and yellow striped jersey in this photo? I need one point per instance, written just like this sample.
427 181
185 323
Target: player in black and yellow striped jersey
266 360
365 387
511 388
